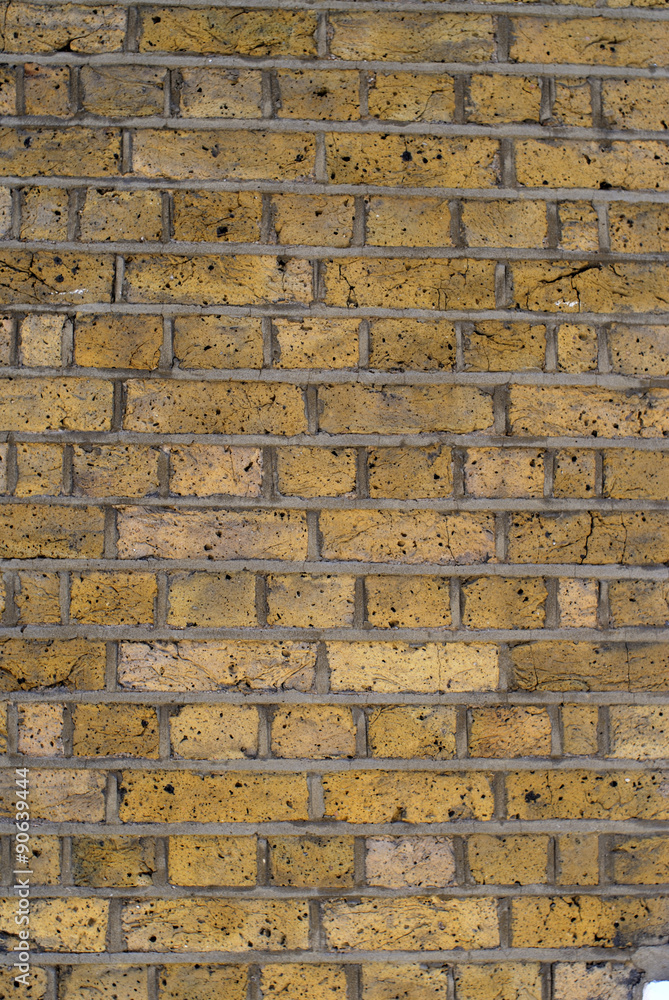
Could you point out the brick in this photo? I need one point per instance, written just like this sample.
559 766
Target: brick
639 350
587 40
408 601
509 731
360 409
492 346
55 279
122 90
316 343
41 730
493 100
496 602
321 94
303 982
115 341
221 155
639 602
409 797
316 220
583 163
44 214
412 36
635 103
100 862
44 860
584 666
387 981
639 228
503 981
408 222
44 403
201 982
6 325
311 472
627 538
212 666
213 216
211 600
226 32
579 226
60 796
113 598
504 472
207 860
577 603
87 982
3 468
572 104
397 344
67 925
72 663
206 92
30 532
510 223
416 862
308 601
407 731
183 796
127 215
114 470
50 152
115 731
577 859
240 408
638 732
33 27
588 411
5 211
315 731
581 980
574 473
214 732
579 730
204 470
46 90
205 924
38 984
400 666
8 89
508 860
577 348
311 861
584 921
38 598
640 860
586 795
41 340
414 924
414 161
217 342
410 473
410 97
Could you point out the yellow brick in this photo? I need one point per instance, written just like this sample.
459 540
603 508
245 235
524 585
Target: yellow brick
41 340
317 731
504 223
588 40
6 325
219 93
496 602
415 37
572 104
90 982
504 472
128 215
3 729
217 342
72 663
586 795
638 732
5 212
581 980
410 473
122 90
31 27
507 860
28 532
399 666
117 341
577 603
412 797
410 343
316 343
584 410
639 228
41 730
3 468
201 982
505 981
579 226
211 600
303 982
46 90
307 601
44 860
581 163
408 222
115 731
412 161
113 861
639 602
311 861
319 94
410 97
214 732
8 89
635 103
583 666
109 470
574 473
420 284
578 859
202 470
316 220
509 731
313 472
641 860
492 346
577 348
587 921
37 990
113 598
61 796
497 99
217 30
385 981
74 152
44 214
408 731
579 726
212 860
65 925
398 409
408 601
639 350
416 862
213 216
38 598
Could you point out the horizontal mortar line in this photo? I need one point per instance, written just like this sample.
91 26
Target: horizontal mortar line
599 571
294 251
276 766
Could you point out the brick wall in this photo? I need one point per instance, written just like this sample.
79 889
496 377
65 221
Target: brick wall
334 518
